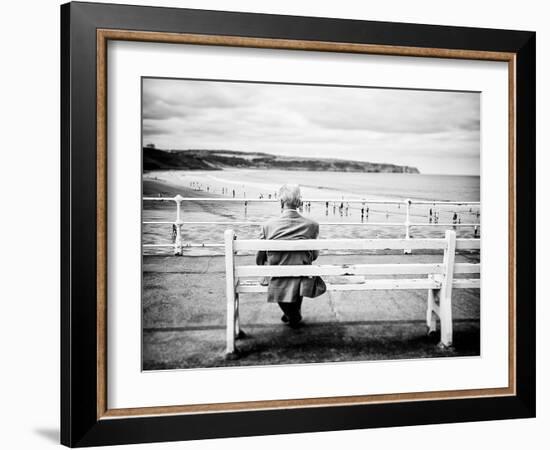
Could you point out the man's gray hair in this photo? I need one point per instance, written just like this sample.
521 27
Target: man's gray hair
290 195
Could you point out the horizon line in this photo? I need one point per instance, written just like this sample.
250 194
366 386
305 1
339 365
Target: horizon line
312 158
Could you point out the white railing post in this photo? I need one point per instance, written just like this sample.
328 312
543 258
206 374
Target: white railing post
231 321
407 224
178 243
445 294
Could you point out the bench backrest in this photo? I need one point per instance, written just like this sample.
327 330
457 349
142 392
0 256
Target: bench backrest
449 244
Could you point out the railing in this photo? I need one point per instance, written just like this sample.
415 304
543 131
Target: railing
178 245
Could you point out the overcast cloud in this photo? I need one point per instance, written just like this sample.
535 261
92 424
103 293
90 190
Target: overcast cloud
438 132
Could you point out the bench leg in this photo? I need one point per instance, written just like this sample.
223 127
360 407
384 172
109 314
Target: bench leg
446 292
446 319
237 320
231 300
231 325
431 321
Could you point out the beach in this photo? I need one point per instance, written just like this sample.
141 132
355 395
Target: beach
348 215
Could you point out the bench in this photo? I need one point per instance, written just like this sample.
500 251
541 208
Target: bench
437 278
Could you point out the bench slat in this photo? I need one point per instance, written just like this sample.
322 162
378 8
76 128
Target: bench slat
468 244
466 283
368 285
339 244
467 268
351 244
385 284
342 269
351 269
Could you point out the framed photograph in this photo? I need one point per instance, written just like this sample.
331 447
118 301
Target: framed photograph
276 224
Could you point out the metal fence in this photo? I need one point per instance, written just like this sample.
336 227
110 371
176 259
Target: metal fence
178 245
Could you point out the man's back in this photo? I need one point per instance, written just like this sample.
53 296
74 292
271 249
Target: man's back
290 225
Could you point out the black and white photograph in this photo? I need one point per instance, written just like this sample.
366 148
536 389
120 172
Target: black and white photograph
290 223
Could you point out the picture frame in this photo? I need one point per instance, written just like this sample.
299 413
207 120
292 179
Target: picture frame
86 418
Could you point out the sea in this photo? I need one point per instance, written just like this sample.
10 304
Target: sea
339 201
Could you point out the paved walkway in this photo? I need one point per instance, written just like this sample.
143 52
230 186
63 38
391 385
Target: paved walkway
184 319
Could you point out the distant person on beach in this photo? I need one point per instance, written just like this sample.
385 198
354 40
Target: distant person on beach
289 226
174 234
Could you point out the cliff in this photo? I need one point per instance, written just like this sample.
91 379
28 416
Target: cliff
155 159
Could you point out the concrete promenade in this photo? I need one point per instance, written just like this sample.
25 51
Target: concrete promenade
184 318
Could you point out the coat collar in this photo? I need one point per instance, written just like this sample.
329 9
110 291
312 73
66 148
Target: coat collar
290 213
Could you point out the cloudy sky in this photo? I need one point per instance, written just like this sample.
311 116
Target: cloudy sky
437 132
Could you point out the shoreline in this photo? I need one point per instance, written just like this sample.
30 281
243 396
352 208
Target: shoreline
338 186
205 221
153 187
248 189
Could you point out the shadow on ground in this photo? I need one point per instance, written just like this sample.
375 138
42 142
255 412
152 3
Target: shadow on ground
312 343
184 320
49 434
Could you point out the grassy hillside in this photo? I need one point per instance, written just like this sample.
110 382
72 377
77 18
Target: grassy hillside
155 159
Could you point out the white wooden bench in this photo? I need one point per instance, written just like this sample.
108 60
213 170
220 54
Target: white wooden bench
437 278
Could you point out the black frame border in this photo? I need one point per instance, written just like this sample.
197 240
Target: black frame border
79 423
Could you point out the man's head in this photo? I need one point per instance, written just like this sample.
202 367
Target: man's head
290 196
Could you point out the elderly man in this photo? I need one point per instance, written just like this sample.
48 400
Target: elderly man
289 226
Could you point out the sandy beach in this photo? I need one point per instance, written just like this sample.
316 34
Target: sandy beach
343 218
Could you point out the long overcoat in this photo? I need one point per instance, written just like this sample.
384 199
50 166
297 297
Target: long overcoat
289 226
